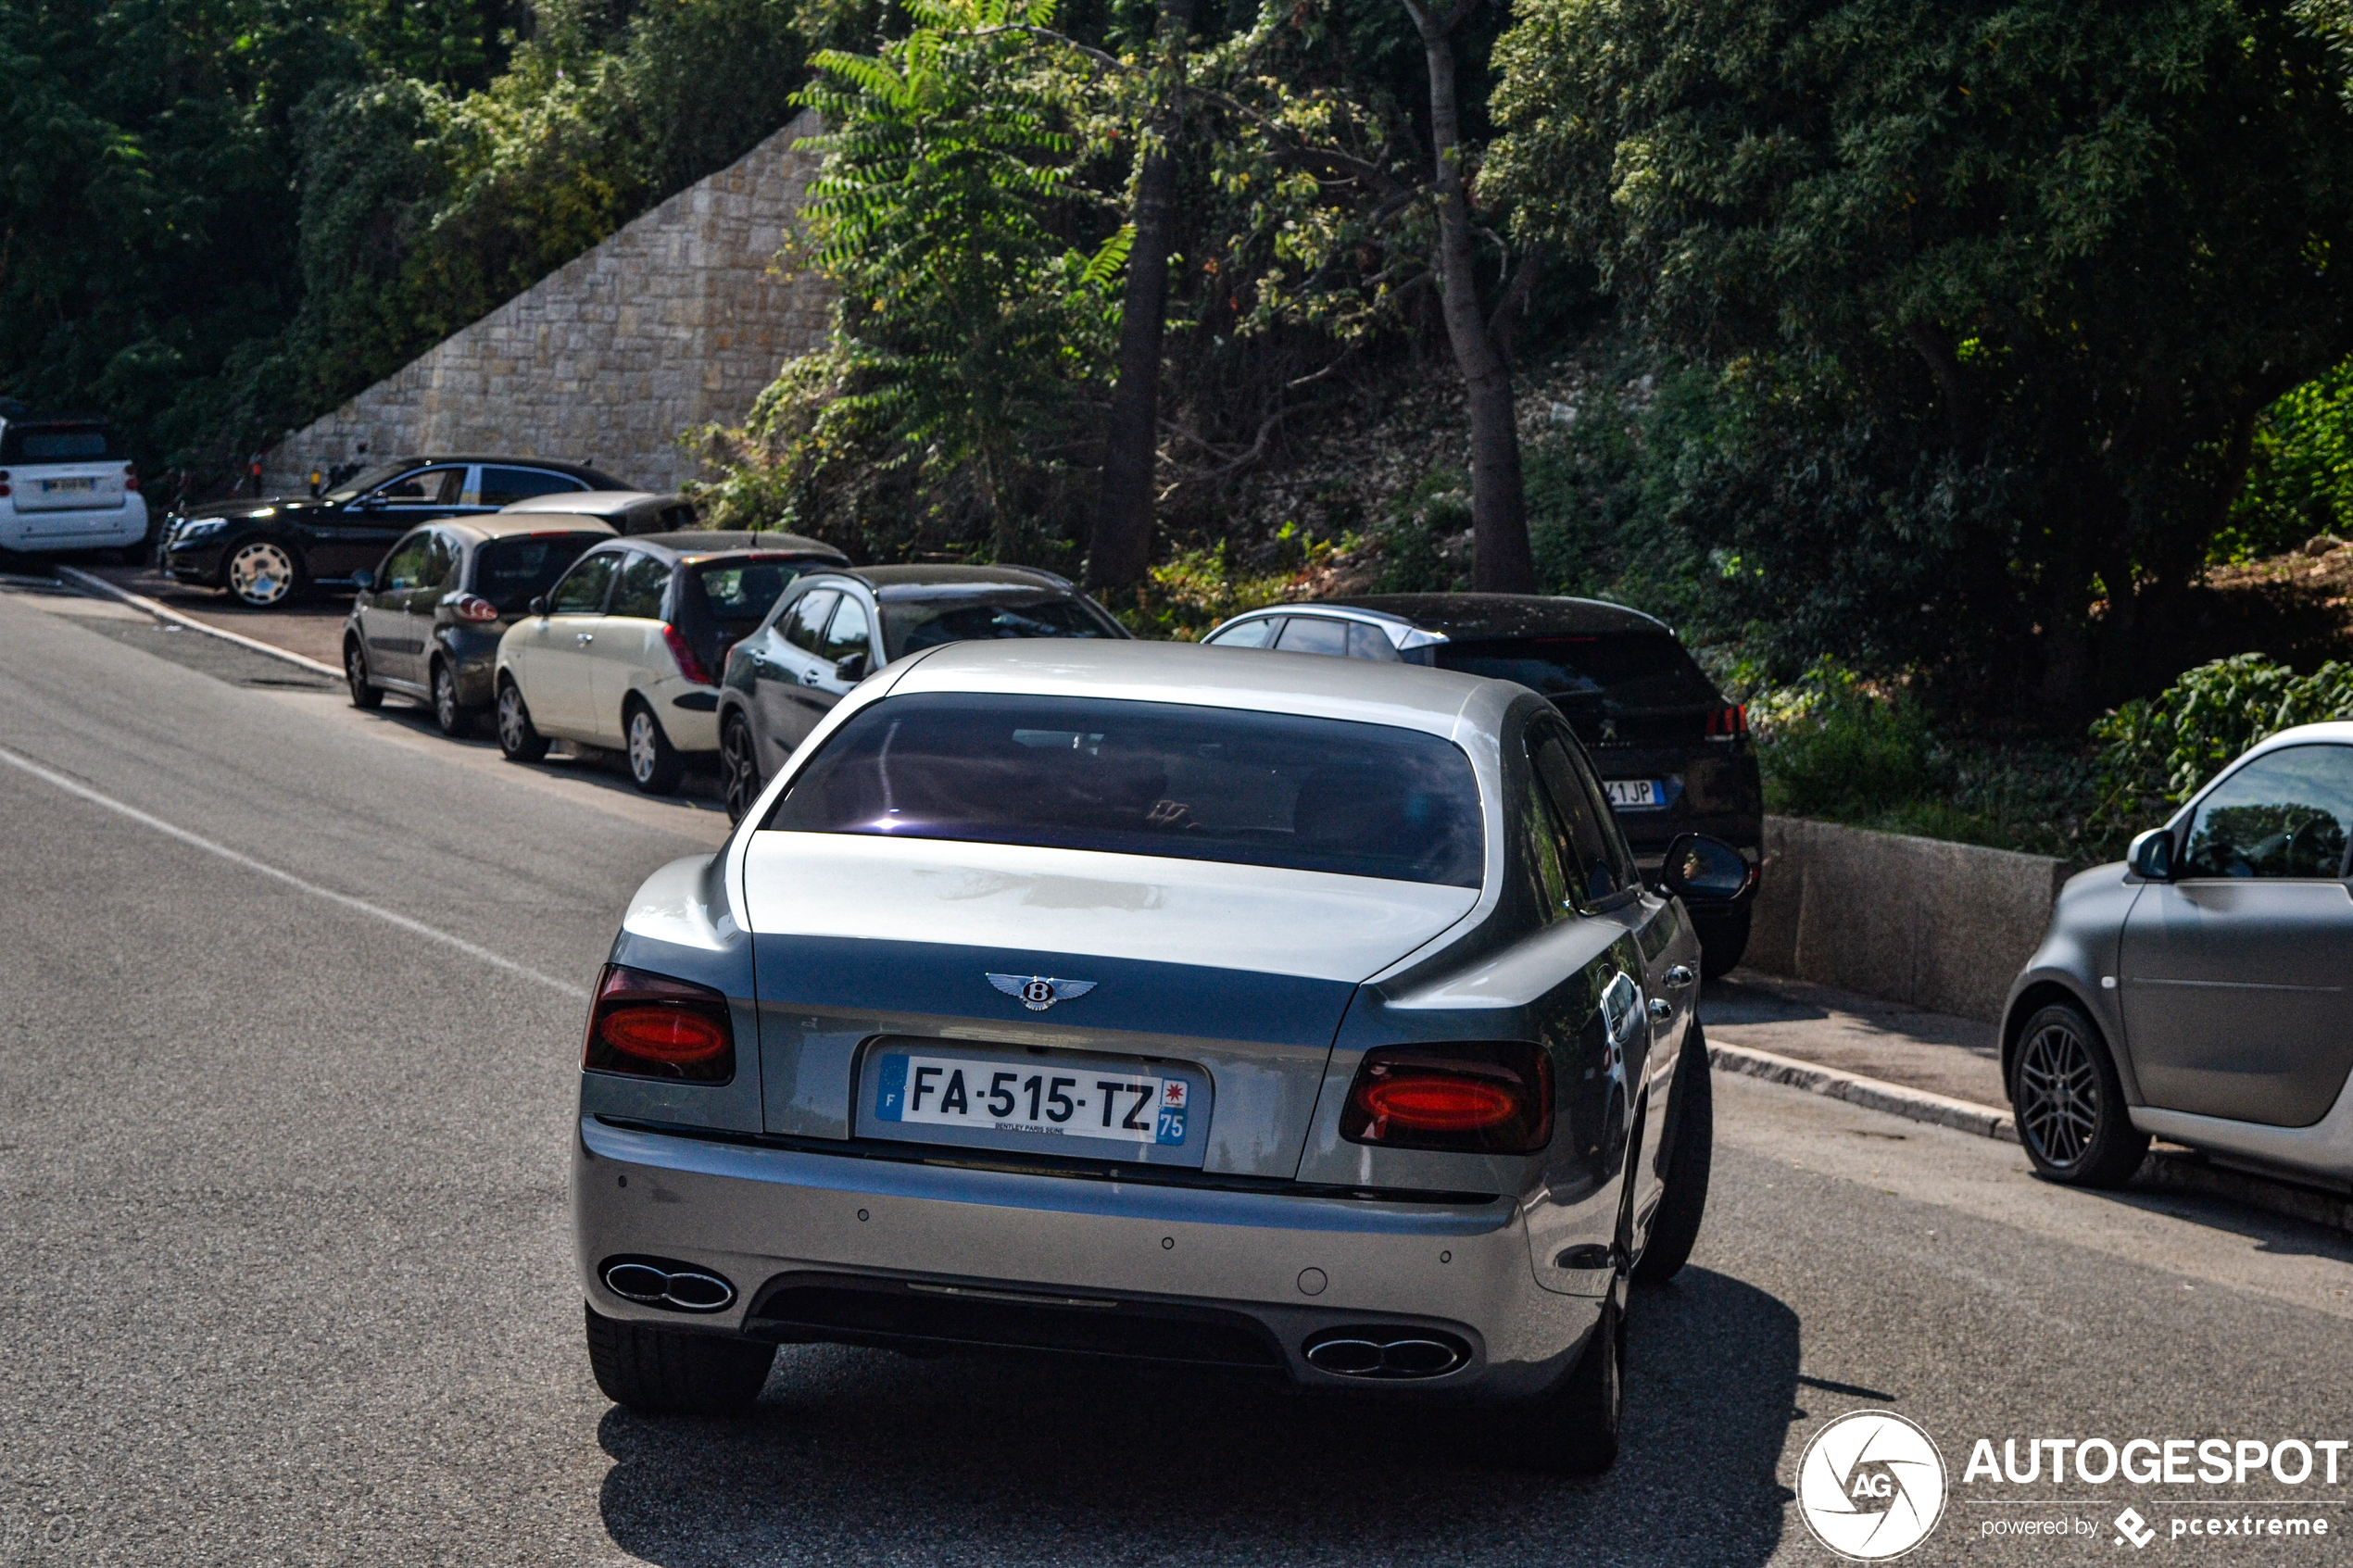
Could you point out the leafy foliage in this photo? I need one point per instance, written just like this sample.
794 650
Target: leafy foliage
2157 752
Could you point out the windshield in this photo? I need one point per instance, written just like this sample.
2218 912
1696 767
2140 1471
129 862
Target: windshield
1625 671
512 573
911 626
369 478
1149 778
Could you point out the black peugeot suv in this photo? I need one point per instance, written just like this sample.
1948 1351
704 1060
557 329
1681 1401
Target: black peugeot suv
1675 756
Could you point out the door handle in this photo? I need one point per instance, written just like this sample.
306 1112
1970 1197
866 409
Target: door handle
810 678
1661 1009
583 636
1681 975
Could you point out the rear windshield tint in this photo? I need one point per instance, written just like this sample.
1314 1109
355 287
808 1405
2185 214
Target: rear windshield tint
58 444
1149 778
1627 671
512 573
739 593
911 626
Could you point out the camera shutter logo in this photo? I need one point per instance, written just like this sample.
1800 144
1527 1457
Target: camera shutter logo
1871 1485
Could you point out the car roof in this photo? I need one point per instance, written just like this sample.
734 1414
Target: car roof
1434 701
697 544
1494 614
498 526
917 582
596 503
2337 732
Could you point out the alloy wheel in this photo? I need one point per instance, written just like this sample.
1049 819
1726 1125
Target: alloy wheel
743 768
643 753
513 728
445 699
2058 1094
261 573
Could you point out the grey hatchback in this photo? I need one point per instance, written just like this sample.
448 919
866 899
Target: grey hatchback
2197 991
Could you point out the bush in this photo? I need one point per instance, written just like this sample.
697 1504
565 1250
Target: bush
1844 752
2157 752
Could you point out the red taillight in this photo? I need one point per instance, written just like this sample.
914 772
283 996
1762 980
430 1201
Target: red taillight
130 477
1484 1097
5 488
652 1026
472 607
688 665
1727 723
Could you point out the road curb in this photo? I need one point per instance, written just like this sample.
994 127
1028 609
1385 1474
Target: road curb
1873 1094
2165 1170
93 584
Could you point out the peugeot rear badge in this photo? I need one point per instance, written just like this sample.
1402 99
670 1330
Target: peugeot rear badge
1039 992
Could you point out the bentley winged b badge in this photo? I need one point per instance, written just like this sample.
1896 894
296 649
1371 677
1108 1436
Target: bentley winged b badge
1039 992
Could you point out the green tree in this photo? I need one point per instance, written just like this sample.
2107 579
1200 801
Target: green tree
2001 286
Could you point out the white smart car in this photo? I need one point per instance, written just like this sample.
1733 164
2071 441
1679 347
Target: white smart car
68 485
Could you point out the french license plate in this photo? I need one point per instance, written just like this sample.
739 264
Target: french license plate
1637 793
1056 1098
68 486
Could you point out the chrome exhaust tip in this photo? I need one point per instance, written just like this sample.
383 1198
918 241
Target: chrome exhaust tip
1388 1354
659 1282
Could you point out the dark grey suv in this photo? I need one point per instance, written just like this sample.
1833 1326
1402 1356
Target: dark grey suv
1674 755
833 628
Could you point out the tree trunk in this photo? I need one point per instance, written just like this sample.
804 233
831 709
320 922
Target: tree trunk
1500 561
1120 544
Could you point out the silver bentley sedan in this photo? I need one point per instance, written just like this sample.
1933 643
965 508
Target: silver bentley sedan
2197 990
1247 1010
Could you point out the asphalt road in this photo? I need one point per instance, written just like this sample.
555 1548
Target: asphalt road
290 999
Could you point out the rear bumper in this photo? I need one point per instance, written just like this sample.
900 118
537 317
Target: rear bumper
100 528
864 1251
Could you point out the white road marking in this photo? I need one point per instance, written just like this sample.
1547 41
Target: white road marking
497 960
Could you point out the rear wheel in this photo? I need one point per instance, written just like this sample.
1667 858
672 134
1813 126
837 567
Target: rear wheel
2069 1103
739 760
456 722
518 738
1690 1160
364 692
654 763
262 574
1574 1429
664 1371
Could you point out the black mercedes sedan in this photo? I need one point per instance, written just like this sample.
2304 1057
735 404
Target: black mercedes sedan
265 553
1673 754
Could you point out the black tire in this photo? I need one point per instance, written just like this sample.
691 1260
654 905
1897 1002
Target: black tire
1690 1160
1723 937
263 573
738 765
671 1372
1574 1429
518 738
455 720
2070 1103
133 555
364 693
654 764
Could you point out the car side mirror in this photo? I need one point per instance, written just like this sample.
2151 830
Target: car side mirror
538 605
363 579
851 669
1700 869
369 504
2151 856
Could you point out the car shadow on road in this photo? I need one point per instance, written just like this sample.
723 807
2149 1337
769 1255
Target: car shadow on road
700 789
867 1456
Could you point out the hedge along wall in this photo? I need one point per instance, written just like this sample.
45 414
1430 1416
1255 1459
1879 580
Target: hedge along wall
680 319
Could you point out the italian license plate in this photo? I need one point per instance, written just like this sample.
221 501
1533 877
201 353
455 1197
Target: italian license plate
1637 793
1053 1098
68 486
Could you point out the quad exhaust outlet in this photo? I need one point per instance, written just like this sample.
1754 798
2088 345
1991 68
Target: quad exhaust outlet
659 1282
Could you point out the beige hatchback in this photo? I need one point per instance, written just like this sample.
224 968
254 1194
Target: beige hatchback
624 651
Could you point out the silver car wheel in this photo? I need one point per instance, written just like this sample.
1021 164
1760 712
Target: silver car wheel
2058 1094
510 719
643 746
260 573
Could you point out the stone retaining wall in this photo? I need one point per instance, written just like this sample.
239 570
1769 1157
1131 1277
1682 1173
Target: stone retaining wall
1942 926
678 320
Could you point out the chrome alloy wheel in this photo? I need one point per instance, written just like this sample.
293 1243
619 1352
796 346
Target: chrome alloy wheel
741 766
261 573
644 746
2057 1097
446 711
514 726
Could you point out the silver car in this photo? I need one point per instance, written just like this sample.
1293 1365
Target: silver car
2197 991
1249 1010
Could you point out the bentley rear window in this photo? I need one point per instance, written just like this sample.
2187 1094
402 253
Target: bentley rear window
1149 778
